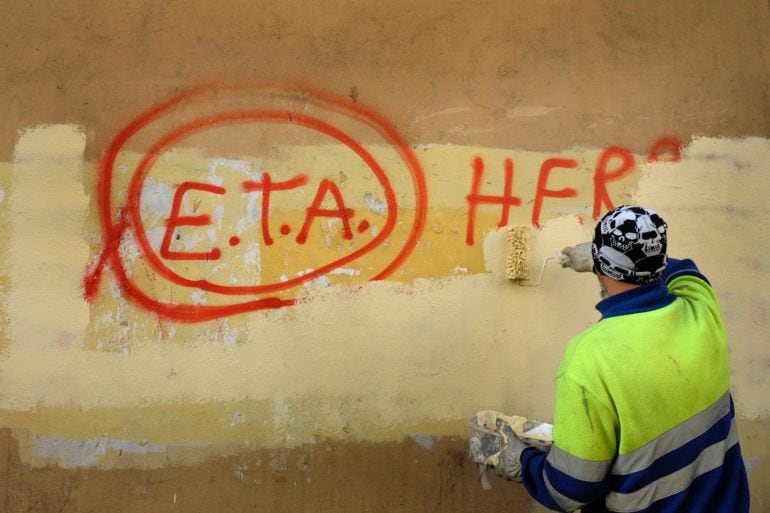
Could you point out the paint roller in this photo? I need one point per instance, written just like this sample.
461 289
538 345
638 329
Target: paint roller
517 257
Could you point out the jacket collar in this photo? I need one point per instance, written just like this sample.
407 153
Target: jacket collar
637 300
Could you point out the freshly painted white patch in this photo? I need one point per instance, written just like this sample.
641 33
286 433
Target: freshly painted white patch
543 243
495 247
460 269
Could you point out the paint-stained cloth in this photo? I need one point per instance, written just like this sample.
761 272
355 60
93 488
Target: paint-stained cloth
644 420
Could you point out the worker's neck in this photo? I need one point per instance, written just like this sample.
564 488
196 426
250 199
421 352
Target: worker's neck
612 287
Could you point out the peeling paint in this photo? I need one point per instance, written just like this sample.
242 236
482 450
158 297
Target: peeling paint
346 272
375 206
198 297
156 199
87 453
424 441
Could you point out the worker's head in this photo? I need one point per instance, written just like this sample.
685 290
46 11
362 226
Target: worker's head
629 245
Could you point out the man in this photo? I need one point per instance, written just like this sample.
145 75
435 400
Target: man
644 420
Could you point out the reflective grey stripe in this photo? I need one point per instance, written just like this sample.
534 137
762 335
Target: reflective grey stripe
563 501
585 470
709 459
672 439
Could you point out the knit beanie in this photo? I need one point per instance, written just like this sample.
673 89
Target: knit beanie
629 245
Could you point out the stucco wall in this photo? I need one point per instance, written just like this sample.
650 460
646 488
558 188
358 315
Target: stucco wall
173 336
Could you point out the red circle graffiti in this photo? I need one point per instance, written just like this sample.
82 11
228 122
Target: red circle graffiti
199 125
116 223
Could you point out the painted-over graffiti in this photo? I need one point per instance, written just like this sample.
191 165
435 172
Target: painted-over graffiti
166 238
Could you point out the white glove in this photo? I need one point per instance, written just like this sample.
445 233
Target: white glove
577 258
507 463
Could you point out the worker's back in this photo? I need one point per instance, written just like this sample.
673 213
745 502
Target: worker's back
644 417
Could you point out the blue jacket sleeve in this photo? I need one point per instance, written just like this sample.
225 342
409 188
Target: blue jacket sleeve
532 472
684 267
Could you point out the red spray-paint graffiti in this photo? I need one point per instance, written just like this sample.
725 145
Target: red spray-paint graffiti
667 145
613 164
331 118
507 200
126 221
266 186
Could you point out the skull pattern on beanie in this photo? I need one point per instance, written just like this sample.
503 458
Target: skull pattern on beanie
629 245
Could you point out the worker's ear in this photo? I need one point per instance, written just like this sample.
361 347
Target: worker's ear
602 286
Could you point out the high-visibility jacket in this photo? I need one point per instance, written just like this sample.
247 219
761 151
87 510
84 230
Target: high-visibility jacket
644 420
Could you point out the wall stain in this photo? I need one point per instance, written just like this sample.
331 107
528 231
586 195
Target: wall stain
340 477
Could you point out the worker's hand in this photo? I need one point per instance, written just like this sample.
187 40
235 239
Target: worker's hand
577 258
507 463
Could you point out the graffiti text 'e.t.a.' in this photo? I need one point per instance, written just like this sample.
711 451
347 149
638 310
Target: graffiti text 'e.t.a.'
231 199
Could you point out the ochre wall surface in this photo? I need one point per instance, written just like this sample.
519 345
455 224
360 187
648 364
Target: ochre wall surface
250 256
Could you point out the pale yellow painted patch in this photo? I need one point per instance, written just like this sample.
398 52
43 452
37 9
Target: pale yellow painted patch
5 237
46 251
715 202
420 352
